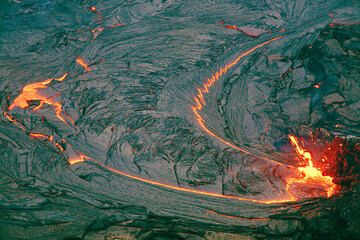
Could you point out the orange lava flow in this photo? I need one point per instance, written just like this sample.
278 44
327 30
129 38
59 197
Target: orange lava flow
200 101
31 92
13 120
78 159
81 62
232 27
173 187
41 136
311 177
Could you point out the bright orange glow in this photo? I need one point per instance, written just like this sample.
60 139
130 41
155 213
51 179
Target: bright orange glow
81 62
32 92
317 86
302 152
78 159
13 120
92 9
232 27
59 147
200 101
310 175
9 117
41 136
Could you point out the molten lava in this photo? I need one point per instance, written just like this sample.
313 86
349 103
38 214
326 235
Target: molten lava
93 9
32 92
232 27
311 182
81 62
200 100
41 136
77 159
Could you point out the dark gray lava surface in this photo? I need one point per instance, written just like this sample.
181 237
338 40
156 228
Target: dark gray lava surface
128 149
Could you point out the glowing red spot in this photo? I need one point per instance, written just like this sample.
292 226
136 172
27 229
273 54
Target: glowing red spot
92 9
232 27
317 85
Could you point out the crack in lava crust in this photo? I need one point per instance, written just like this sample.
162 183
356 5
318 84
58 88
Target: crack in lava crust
200 101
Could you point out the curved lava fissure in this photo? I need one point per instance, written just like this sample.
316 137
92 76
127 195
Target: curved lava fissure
32 92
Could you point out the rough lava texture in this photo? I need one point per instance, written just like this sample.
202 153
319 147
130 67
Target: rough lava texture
132 111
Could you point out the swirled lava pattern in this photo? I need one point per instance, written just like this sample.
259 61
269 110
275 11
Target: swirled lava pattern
179 119
309 174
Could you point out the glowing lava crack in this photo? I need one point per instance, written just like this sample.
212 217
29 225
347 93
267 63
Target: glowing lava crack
305 175
32 92
200 101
